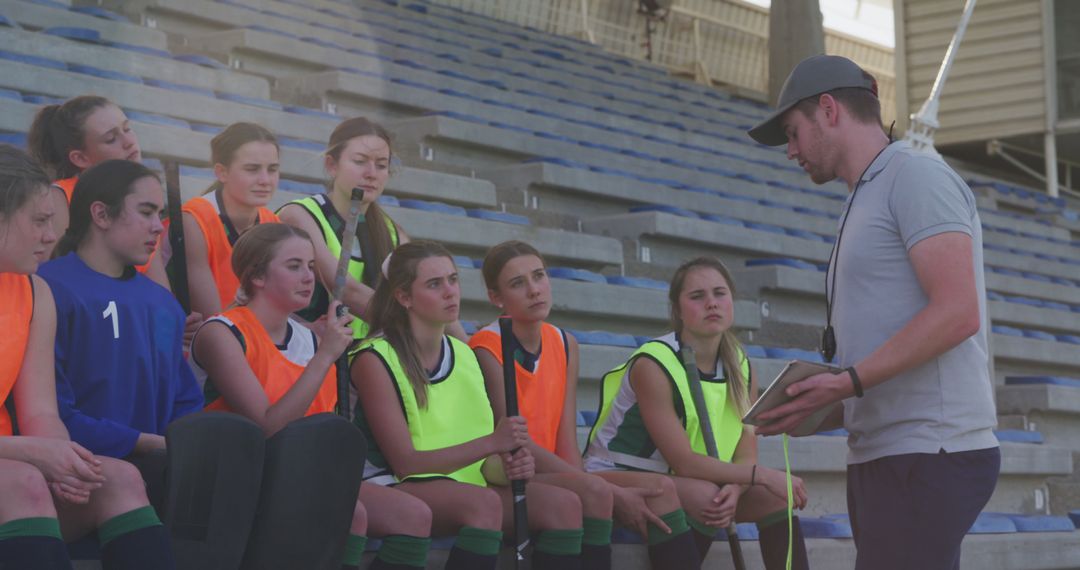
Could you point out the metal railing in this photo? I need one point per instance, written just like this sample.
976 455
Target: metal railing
720 42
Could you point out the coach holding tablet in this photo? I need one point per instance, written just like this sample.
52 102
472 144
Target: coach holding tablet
907 319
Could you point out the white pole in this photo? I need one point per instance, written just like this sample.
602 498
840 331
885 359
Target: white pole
923 124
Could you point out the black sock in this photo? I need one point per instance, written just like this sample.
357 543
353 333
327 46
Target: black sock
558 550
147 547
34 552
675 550
475 549
773 540
596 557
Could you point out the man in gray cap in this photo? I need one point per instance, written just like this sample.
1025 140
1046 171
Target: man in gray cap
906 314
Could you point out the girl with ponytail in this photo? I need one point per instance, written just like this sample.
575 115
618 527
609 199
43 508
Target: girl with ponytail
647 420
67 139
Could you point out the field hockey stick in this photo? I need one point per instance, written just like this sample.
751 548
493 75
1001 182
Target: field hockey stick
517 486
178 280
338 293
693 379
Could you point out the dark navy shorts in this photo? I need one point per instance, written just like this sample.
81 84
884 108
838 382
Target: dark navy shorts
912 511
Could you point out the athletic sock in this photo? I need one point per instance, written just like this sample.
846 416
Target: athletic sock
596 544
675 550
354 551
401 552
135 540
558 549
704 535
773 540
475 549
33 543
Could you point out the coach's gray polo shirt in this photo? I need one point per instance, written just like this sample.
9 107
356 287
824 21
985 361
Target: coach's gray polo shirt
947 403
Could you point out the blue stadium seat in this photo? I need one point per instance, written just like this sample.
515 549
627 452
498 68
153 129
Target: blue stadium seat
32 60
14 139
140 49
787 262
723 220
682 212
104 73
1008 331
603 338
575 274
1039 335
638 282
766 228
1054 380
156 119
838 432
10 94
42 99
300 187
991 523
153 164
1042 523
588 417
504 217
470 327
100 13
5 21
208 129
755 351
1018 436
256 101
171 86
994 296
825 528
1074 516
1024 301
1069 338
72 33
387 200
432 207
202 60
746 531
793 354
463 261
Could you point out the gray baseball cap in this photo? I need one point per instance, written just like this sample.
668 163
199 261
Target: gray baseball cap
813 76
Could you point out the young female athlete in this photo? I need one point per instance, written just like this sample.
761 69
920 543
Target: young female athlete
68 138
648 420
50 486
121 372
546 370
358 155
262 364
246 163
431 430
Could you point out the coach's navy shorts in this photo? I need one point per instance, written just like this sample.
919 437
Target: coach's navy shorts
912 511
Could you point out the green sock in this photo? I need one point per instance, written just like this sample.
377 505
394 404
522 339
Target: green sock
130 521
405 550
700 526
479 541
354 550
772 518
34 526
563 542
676 521
597 531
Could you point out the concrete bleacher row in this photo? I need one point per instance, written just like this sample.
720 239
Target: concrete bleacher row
614 171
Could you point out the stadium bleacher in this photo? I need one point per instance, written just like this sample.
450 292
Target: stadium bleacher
612 169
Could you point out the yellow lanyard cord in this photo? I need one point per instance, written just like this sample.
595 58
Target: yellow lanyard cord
790 503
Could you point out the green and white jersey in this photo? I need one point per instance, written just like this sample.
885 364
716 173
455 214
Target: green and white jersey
620 440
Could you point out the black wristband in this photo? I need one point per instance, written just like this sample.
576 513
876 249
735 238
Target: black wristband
855 381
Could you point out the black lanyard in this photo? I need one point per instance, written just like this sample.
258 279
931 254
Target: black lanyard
828 336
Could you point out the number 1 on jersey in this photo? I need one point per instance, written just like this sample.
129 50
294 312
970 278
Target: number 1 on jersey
110 311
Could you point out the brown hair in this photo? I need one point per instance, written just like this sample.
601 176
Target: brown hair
58 129
375 217
224 145
863 104
390 319
109 182
20 178
255 250
731 352
498 256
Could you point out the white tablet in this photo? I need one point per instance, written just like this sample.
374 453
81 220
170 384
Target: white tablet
774 395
